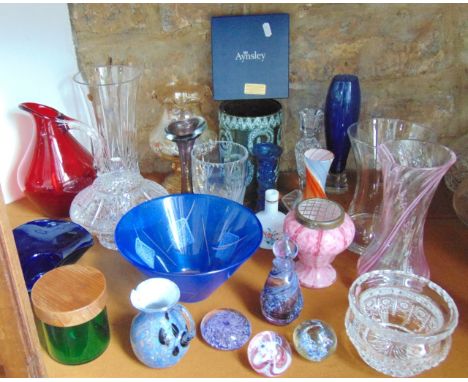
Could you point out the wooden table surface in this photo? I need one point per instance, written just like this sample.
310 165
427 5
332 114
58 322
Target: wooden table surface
446 247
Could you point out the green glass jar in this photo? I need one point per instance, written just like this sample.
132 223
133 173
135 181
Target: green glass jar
69 303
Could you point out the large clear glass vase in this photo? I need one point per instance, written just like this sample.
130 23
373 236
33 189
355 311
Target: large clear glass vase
109 94
411 170
365 137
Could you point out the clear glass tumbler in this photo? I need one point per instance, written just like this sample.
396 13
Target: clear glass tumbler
365 136
220 168
400 324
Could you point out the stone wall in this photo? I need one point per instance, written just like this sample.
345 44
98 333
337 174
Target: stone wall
411 59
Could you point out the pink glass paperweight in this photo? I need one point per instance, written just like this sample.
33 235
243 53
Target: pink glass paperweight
225 329
269 354
322 230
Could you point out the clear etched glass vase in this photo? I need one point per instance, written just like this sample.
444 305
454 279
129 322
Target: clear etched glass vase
411 171
109 94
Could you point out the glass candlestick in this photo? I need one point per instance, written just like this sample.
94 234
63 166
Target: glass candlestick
184 133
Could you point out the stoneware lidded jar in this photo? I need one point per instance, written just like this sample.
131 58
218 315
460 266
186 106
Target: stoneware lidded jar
322 230
70 304
160 334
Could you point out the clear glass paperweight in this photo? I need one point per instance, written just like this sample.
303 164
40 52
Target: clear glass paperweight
314 340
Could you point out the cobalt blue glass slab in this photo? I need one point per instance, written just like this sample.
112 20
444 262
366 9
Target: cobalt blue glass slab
225 329
46 244
198 241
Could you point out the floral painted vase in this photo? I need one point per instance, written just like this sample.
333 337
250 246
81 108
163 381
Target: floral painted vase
271 220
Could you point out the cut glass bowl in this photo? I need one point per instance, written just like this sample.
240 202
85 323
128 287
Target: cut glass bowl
400 324
198 241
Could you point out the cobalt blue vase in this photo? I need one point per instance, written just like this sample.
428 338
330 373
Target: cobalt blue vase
267 156
341 110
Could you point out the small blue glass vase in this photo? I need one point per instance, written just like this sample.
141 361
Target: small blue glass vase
341 110
267 156
281 298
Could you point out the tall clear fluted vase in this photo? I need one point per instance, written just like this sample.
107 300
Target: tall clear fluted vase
109 94
365 137
411 171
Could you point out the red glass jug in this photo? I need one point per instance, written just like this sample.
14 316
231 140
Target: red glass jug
60 165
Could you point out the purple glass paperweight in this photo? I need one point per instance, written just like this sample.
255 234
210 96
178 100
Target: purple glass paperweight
269 354
225 329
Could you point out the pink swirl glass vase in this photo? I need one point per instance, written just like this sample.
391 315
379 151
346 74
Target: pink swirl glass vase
411 171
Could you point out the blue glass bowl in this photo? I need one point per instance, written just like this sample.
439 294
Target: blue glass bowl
46 244
198 241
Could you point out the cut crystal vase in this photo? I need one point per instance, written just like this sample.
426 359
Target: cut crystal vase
109 94
311 131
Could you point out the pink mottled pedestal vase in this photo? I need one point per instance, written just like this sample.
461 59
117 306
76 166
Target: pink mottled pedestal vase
319 241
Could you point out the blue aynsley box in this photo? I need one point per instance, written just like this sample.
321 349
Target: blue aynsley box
250 56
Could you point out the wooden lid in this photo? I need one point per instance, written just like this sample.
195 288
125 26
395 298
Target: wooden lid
69 295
